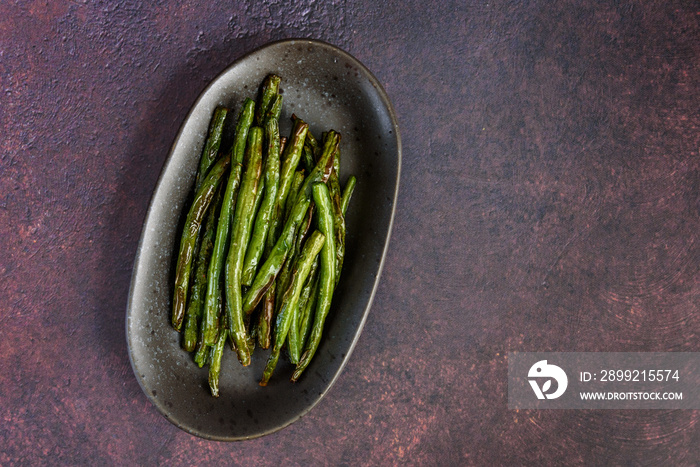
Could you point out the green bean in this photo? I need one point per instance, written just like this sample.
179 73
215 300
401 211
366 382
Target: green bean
347 194
245 121
217 354
265 319
212 145
339 230
270 268
285 277
189 236
240 235
210 318
265 276
307 312
290 160
270 88
264 328
338 219
262 220
324 166
275 108
198 290
273 233
258 198
313 144
281 283
268 309
322 199
297 181
294 334
333 181
340 206
336 163
301 271
251 338
307 157
210 322
201 355
203 352
310 140
209 154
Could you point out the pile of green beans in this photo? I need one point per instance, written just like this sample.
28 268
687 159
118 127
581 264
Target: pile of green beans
263 242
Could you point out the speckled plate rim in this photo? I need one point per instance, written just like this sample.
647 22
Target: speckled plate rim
166 168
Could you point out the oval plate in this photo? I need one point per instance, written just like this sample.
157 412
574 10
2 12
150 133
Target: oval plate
328 88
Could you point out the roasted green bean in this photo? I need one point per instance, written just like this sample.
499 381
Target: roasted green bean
198 289
262 220
217 354
324 165
291 297
270 268
310 141
338 218
203 351
275 109
272 265
212 145
297 181
324 207
240 235
290 160
269 91
210 322
284 277
347 194
294 335
267 312
307 157
189 236
307 313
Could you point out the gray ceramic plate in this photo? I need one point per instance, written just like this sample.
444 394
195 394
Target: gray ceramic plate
329 89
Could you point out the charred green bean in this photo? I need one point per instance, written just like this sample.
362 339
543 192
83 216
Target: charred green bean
189 236
290 160
295 332
291 297
271 267
347 194
307 313
322 199
217 354
262 220
199 286
269 91
212 145
240 235
211 320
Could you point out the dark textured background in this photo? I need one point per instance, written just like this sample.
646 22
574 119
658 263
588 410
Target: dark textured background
549 201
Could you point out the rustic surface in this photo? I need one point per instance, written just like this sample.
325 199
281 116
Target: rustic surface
549 201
